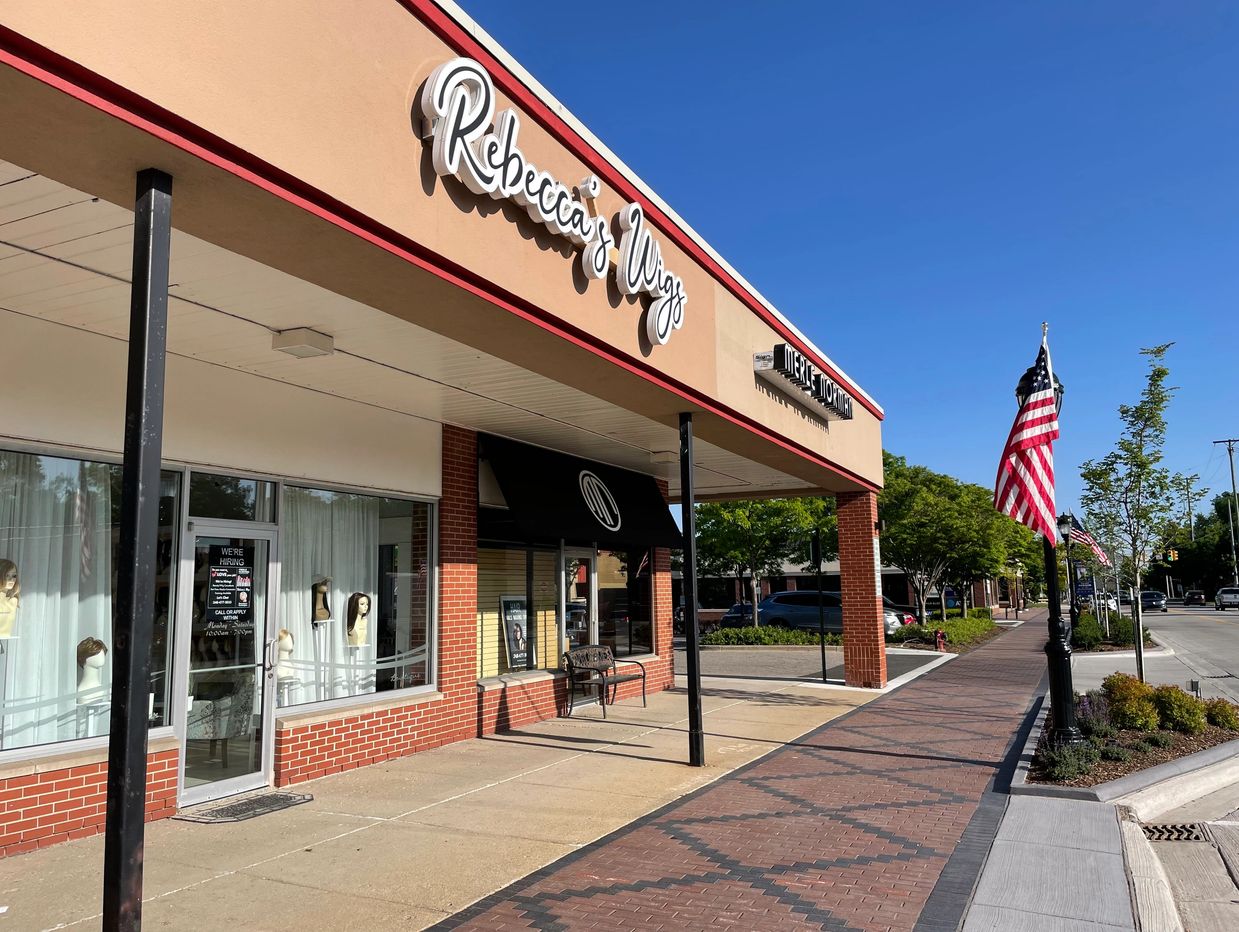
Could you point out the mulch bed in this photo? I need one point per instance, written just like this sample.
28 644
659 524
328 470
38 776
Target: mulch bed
1106 770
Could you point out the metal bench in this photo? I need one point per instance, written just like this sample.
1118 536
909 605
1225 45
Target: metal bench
594 665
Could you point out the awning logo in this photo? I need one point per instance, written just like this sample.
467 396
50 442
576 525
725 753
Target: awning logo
599 500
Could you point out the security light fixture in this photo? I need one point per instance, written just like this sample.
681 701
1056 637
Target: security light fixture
303 343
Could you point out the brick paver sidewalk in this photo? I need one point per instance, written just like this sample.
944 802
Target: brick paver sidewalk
851 827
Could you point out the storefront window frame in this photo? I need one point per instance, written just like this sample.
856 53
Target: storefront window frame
38 752
432 684
178 700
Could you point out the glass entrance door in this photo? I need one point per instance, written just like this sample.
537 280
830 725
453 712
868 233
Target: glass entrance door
229 674
580 599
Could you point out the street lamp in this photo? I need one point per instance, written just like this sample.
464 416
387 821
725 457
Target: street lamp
1058 645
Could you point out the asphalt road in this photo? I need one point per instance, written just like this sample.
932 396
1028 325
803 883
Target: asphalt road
1205 640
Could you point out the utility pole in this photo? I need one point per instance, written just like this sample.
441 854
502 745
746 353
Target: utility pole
1230 507
1188 494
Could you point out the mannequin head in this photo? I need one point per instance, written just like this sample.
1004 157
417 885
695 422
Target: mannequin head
320 599
89 648
358 608
10 585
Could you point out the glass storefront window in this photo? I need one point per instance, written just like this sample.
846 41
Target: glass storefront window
625 602
355 578
59 532
505 634
231 498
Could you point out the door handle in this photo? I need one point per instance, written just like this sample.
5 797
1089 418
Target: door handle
268 658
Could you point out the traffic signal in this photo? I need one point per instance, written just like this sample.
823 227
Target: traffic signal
1174 555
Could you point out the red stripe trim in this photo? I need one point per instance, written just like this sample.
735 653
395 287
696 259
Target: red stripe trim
82 84
451 32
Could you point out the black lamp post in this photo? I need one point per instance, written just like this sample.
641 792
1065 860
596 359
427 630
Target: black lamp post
1058 646
1073 597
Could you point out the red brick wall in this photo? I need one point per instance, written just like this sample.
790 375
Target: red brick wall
41 809
864 639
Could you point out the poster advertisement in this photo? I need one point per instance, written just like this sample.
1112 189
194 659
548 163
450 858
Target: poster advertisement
230 590
515 630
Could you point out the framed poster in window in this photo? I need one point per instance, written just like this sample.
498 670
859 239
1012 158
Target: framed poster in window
513 617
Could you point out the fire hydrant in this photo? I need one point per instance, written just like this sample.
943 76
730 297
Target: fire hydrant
940 640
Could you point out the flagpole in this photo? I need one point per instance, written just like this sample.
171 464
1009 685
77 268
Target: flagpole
1058 644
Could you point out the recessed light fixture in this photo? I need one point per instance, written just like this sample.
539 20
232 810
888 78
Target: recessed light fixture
303 343
664 457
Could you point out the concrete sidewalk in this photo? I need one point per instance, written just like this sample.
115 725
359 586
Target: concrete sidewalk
407 843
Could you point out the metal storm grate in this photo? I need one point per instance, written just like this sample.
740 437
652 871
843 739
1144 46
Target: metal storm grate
1176 831
249 808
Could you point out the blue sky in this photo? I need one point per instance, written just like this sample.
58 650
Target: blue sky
918 185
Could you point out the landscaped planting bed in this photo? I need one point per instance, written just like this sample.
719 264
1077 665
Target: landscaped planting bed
1130 726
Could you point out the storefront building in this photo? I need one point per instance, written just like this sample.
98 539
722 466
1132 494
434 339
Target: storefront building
429 344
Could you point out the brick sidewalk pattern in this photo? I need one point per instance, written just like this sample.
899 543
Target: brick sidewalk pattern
849 828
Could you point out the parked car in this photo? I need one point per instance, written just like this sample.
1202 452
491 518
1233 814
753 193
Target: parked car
1104 600
1153 601
739 615
906 612
1227 597
1194 597
798 609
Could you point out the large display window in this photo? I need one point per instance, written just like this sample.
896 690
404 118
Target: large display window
625 602
59 530
509 638
355 595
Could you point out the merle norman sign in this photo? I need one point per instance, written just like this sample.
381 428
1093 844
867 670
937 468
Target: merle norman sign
458 111
788 368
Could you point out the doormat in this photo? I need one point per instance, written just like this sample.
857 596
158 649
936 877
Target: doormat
249 808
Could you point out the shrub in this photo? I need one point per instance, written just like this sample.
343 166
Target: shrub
766 635
1086 634
1222 713
960 632
1179 710
1144 745
1123 632
1159 739
1123 687
1116 752
1137 714
1093 715
1069 760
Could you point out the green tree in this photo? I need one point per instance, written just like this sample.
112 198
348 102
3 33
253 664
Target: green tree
749 539
1128 490
980 541
921 512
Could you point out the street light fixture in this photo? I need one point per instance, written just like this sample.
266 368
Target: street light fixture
1058 645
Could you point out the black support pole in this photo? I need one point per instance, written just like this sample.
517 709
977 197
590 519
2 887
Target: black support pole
696 733
1058 658
139 536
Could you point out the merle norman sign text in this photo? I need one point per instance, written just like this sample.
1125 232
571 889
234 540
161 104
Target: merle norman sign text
458 110
789 369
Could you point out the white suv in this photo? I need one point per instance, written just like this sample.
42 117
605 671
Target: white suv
1226 598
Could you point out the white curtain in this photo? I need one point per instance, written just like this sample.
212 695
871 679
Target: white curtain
55 526
333 535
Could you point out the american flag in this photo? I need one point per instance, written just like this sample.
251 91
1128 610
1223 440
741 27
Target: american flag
1081 536
1025 485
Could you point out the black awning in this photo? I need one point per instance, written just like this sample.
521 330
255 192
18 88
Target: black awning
555 495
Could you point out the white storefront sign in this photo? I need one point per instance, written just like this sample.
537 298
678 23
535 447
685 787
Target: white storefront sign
458 111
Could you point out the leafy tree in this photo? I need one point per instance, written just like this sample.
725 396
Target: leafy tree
979 541
920 509
749 539
1128 490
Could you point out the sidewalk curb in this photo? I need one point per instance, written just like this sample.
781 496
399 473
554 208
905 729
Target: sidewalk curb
1152 900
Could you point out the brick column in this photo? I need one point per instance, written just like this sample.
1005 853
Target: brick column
458 580
864 636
